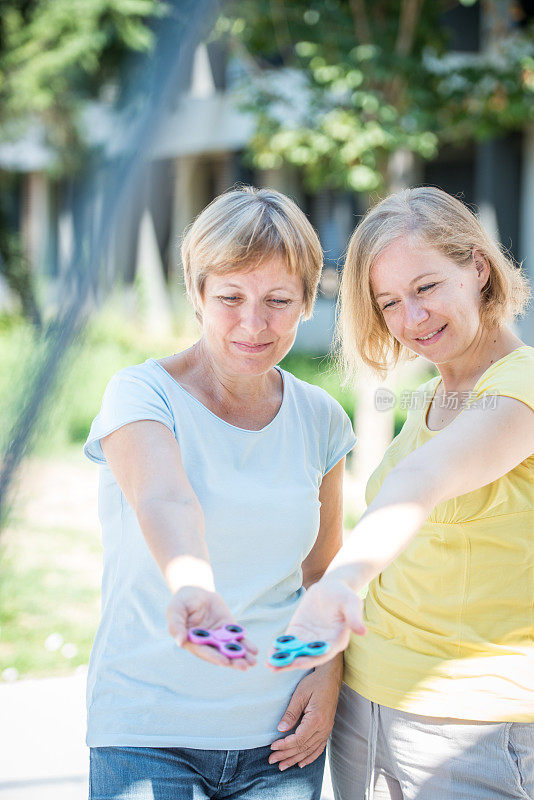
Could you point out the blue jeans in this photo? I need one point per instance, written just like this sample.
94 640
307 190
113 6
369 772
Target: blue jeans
177 773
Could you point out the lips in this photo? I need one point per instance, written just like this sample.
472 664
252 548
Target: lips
251 347
431 335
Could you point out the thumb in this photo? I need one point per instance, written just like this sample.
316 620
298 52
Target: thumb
176 621
353 611
293 712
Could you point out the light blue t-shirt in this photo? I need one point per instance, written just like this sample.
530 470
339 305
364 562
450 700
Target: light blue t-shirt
259 491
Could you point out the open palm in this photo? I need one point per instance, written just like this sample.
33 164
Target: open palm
329 611
193 607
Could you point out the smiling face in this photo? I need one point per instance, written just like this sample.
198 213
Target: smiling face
429 303
250 319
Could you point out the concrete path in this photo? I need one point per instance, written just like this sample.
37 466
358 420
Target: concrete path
42 749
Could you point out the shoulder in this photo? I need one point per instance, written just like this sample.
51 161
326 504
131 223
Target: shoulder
517 366
132 394
146 376
137 387
429 386
143 372
311 396
416 402
511 376
322 418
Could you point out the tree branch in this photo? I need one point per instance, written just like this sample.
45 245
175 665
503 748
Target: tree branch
362 30
409 17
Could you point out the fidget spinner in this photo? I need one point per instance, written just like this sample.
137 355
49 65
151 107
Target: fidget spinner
225 639
288 648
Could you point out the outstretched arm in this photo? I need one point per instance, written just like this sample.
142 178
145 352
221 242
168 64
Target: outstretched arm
478 447
145 460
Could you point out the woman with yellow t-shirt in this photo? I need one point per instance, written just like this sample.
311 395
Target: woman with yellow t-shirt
438 695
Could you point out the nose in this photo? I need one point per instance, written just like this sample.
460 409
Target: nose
253 318
414 312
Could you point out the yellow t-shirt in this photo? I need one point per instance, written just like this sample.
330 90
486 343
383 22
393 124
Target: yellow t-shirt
450 623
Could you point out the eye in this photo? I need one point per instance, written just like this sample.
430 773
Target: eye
229 300
389 305
427 287
278 301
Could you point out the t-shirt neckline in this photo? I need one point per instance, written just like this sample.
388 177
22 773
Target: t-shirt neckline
491 366
215 416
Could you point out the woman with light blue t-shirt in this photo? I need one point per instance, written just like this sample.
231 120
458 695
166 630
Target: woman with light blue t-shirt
220 501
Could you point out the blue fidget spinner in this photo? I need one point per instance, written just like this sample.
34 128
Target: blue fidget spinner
288 648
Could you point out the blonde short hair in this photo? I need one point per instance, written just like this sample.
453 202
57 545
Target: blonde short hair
441 222
243 227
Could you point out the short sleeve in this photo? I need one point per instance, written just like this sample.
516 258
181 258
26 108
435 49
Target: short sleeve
341 438
512 376
129 397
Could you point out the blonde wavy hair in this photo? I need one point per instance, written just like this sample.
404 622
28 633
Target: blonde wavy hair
441 222
240 229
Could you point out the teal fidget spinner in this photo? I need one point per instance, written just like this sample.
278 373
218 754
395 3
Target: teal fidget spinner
288 648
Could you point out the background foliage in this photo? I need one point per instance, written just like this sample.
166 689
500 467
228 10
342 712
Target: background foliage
56 54
365 79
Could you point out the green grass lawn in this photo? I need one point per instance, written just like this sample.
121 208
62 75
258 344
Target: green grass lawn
44 602
49 574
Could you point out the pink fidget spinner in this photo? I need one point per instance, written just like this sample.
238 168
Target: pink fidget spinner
224 639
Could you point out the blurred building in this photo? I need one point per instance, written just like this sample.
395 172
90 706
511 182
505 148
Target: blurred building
199 152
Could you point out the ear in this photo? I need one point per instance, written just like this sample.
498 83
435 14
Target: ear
482 267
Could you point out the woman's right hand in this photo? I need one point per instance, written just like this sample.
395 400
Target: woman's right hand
195 607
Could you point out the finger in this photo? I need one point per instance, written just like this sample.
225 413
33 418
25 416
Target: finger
292 714
289 743
279 744
298 742
207 653
309 759
244 662
301 750
241 664
250 658
306 662
275 758
290 762
177 627
354 614
251 647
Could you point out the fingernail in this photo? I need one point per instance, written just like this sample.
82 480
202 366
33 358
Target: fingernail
282 769
283 726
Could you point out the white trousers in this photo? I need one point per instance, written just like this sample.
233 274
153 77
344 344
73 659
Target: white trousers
381 753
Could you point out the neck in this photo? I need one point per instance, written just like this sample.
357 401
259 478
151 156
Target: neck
228 388
488 346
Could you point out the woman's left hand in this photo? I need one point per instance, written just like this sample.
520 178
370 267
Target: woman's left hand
329 611
314 703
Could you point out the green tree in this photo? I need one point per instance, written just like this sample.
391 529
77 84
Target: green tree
57 54
367 79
